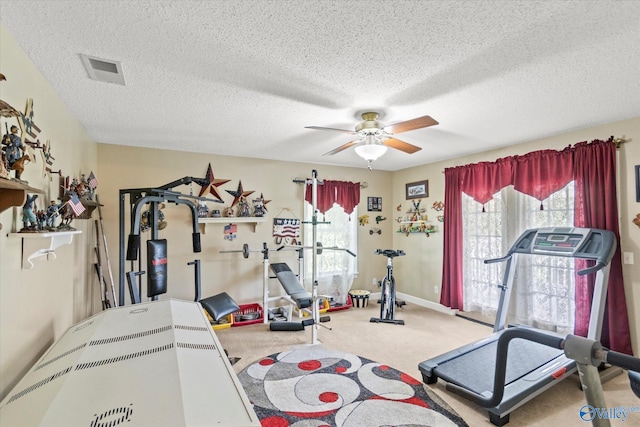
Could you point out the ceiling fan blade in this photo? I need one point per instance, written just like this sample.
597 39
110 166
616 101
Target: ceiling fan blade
401 145
418 123
334 129
339 149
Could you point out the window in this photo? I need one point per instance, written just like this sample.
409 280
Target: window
543 293
335 268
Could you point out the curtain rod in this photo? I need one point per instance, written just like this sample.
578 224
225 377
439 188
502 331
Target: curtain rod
303 181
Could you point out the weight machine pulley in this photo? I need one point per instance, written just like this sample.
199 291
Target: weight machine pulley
140 197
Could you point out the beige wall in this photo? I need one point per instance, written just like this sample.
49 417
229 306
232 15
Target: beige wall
128 167
39 304
421 269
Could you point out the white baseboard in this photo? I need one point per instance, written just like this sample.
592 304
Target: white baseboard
421 302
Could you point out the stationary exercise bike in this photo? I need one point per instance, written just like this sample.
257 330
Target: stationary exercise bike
388 292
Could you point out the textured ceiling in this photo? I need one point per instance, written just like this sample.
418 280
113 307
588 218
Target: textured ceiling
244 78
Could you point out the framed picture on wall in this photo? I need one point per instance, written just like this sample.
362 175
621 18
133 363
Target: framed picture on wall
638 183
417 190
374 204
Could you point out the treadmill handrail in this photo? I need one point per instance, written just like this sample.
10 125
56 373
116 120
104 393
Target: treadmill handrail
501 259
591 269
501 365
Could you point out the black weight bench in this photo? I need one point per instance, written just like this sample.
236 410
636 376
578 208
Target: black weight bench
292 286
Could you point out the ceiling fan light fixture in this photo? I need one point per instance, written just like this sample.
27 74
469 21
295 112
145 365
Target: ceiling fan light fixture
370 152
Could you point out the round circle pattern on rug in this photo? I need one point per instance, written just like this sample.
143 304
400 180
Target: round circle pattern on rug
316 387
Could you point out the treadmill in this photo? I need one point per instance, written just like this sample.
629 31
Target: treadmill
502 375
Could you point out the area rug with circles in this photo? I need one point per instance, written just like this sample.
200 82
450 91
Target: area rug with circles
311 386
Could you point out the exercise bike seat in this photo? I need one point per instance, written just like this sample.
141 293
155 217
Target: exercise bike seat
291 285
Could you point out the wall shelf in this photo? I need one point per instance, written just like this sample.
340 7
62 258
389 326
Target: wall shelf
418 226
253 220
13 193
46 242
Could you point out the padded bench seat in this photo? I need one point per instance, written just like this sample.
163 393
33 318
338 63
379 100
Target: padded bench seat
292 286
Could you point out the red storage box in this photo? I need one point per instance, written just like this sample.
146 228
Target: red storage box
249 314
346 306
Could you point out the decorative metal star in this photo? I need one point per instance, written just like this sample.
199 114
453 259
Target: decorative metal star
264 202
211 184
238 194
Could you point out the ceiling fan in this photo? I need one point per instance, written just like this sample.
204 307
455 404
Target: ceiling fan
373 137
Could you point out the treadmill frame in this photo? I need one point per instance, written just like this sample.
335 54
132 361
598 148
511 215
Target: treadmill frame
525 388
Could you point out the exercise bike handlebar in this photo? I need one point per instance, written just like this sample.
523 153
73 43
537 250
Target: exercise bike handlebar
389 253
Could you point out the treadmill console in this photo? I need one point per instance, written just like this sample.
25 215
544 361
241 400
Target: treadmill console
559 240
585 243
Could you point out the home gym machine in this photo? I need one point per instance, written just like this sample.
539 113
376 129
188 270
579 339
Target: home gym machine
138 199
529 367
315 251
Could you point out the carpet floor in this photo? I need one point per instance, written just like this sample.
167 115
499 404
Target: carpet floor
311 386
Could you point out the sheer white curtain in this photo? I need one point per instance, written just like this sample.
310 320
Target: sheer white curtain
336 269
543 293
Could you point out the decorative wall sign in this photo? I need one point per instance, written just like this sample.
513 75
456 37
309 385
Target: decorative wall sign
374 204
417 190
286 230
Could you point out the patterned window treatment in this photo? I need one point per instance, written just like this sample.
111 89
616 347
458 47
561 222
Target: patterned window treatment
343 193
539 174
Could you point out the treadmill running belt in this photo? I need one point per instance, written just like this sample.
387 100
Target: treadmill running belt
475 370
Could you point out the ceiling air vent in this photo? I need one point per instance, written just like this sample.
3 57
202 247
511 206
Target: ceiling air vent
103 70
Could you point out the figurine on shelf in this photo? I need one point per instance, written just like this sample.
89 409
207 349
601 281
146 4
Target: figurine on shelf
258 207
229 212
203 210
29 220
51 214
85 190
12 146
4 171
18 165
244 209
41 216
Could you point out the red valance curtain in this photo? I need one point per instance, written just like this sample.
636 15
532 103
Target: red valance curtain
345 194
539 174
482 180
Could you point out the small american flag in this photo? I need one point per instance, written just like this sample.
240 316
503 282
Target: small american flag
93 181
76 205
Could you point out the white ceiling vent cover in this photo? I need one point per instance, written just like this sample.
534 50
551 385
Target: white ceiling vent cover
103 70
